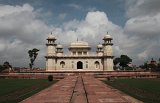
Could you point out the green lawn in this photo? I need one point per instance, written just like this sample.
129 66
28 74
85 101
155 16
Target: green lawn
15 90
146 90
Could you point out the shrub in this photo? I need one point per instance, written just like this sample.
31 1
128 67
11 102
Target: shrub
108 78
50 77
1 68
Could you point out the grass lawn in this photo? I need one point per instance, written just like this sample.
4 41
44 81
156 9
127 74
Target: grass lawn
146 90
15 90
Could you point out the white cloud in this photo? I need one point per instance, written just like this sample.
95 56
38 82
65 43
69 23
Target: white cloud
146 25
142 7
20 32
139 39
7 10
92 29
97 18
143 55
143 25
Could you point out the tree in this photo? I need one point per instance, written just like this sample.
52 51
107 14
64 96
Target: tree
1 68
32 55
124 61
153 67
146 65
6 67
158 66
116 61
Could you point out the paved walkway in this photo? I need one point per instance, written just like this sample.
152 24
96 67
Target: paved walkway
80 89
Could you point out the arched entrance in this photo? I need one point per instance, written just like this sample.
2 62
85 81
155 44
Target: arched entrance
79 65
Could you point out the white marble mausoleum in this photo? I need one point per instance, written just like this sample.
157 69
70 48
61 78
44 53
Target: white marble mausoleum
79 58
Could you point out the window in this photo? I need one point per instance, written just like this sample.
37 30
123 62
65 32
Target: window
62 64
79 53
74 53
97 65
72 65
85 53
86 65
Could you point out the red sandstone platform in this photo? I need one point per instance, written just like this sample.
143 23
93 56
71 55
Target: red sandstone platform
80 89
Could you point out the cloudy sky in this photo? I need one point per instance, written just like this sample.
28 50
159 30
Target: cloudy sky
25 24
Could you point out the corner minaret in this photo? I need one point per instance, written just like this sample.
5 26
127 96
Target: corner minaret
51 53
108 53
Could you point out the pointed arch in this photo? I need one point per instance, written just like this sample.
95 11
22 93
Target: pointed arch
62 64
79 65
97 65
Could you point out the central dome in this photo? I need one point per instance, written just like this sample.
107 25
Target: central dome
79 44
